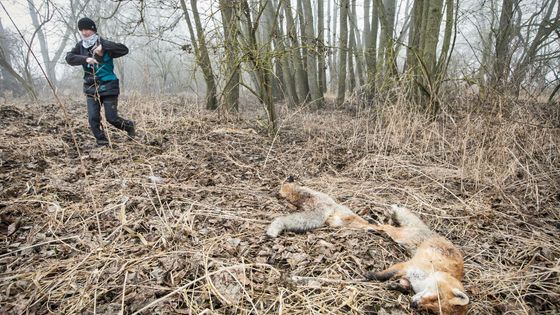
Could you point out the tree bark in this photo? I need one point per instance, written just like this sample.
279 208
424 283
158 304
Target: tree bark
9 74
321 47
275 30
351 48
316 93
202 58
343 50
261 60
371 53
49 64
300 74
503 38
357 45
334 73
229 11
548 25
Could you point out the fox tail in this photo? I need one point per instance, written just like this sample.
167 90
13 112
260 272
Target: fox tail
406 218
297 222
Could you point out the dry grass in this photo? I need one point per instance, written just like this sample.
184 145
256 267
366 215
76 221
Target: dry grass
174 222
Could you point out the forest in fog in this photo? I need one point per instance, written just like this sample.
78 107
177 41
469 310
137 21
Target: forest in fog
294 51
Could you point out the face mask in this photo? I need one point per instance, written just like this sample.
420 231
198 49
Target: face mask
89 41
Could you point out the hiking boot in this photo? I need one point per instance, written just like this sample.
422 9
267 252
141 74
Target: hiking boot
131 131
102 143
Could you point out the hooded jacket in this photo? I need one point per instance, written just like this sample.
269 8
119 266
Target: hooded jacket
99 79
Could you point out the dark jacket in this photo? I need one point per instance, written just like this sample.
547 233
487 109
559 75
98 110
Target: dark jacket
98 79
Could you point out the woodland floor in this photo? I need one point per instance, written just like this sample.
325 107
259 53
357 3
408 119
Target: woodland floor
173 222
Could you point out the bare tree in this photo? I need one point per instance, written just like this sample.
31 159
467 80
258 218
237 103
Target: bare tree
321 46
371 52
548 25
422 60
504 36
351 48
272 13
343 50
9 73
309 38
260 57
201 51
300 73
230 13
333 66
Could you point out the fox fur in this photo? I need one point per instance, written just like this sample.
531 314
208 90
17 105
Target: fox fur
434 272
319 209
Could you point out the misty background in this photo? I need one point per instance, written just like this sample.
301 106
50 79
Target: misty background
493 44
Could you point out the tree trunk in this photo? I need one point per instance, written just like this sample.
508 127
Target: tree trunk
414 35
5 65
367 27
316 93
371 53
503 38
202 58
422 60
334 67
545 29
357 46
328 49
9 74
300 74
444 56
303 46
261 61
390 62
272 12
351 49
343 50
431 36
49 64
321 47
386 62
229 11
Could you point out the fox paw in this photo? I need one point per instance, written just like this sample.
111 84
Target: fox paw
402 285
372 275
380 275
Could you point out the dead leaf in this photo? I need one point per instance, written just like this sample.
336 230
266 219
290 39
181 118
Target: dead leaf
12 228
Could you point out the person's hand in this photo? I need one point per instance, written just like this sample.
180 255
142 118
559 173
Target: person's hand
98 50
91 61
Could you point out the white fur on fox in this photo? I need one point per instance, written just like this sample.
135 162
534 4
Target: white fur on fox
407 218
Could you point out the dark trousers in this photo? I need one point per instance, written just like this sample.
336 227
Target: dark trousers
110 106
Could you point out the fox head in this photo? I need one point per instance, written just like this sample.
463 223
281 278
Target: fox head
289 192
448 298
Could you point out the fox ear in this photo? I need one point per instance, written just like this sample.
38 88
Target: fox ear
461 298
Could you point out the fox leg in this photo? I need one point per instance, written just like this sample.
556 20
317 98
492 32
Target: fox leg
349 220
402 285
409 237
396 271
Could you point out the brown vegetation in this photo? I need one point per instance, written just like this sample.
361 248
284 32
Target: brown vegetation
174 222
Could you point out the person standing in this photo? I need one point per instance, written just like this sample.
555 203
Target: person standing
101 86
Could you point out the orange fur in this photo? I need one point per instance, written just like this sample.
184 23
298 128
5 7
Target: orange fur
434 272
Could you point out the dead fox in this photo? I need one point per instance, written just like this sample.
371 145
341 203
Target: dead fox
318 209
435 271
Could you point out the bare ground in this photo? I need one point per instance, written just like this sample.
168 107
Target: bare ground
174 221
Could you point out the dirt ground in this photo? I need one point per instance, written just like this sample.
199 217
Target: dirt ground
173 222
